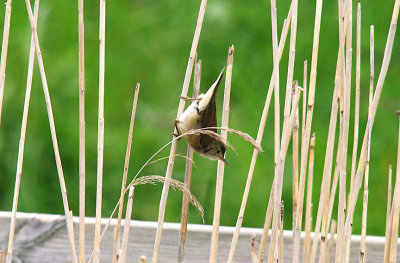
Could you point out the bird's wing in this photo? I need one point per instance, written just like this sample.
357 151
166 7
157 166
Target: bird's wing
209 117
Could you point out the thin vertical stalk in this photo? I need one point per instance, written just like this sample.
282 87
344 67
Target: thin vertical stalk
68 217
2 255
279 171
307 132
295 161
357 99
331 241
377 94
125 175
260 133
82 176
188 174
100 132
280 237
170 166
21 147
4 50
221 165
309 200
303 117
128 217
389 202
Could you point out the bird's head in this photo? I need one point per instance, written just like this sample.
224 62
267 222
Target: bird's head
216 151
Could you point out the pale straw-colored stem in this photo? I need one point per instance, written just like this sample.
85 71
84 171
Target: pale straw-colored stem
280 237
254 257
260 133
221 165
307 132
3 255
170 166
128 216
21 147
326 180
4 50
389 202
357 100
82 176
279 171
188 175
303 117
375 101
308 218
295 172
125 175
100 131
331 241
53 132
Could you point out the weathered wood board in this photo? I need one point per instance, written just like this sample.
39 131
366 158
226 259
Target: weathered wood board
43 238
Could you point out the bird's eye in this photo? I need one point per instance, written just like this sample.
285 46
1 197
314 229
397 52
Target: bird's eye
218 151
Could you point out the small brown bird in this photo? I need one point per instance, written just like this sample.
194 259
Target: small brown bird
202 114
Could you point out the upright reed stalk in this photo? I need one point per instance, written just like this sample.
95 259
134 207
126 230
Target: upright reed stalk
68 217
125 175
4 50
170 167
82 177
260 133
307 132
309 199
21 147
221 165
100 132
127 225
188 174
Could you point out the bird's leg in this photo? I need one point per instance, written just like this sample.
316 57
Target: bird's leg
176 127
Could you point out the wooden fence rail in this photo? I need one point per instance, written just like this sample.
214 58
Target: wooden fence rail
43 238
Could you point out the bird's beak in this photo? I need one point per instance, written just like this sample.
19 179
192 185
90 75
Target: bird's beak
224 161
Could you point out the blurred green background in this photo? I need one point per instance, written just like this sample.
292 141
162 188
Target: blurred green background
149 42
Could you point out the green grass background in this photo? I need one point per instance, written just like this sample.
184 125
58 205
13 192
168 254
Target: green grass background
149 42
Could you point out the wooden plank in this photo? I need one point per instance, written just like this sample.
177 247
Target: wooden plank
43 238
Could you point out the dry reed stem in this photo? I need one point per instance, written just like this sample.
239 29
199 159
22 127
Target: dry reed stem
276 61
100 132
292 55
188 173
289 91
391 241
21 147
306 136
275 80
125 175
4 50
2 255
357 100
279 176
254 258
303 117
221 165
348 229
378 91
389 202
53 131
128 217
365 199
295 173
82 177
374 105
280 237
331 241
258 140
268 215
170 166
326 180
308 218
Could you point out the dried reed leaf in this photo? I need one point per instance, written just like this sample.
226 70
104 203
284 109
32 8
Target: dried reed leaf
218 137
175 184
